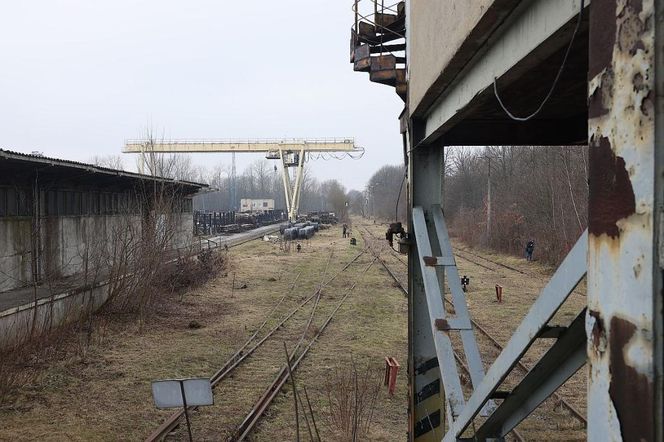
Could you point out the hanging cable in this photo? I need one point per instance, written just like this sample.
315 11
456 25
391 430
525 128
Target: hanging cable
396 209
326 156
555 81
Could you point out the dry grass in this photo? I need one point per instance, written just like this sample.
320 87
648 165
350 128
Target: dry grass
520 290
83 371
349 395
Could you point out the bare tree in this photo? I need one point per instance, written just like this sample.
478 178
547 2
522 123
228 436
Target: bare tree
537 193
385 188
110 161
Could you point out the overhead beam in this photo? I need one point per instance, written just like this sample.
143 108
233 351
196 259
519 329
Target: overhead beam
491 20
243 146
527 32
568 131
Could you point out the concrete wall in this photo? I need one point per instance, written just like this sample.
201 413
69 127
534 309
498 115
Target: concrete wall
184 234
437 30
15 255
66 240
16 325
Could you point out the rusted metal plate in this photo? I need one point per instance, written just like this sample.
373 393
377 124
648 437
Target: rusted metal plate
366 30
383 77
383 70
401 76
353 44
402 91
362 58
383 63
385 19
619 324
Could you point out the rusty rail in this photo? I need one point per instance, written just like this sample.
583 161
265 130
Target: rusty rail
252 418
240 355
514 269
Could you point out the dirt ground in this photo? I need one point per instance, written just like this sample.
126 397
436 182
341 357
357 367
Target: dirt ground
107 396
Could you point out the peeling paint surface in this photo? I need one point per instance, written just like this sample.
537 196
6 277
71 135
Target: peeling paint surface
621 205
612 196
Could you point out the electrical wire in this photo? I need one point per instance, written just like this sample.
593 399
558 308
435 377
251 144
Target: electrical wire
329 155
396 209
555 81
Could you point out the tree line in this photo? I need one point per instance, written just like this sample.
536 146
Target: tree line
261 179
502 197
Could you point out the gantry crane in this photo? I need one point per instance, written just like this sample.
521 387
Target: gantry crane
291 152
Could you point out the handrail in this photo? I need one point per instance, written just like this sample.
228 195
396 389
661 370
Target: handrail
390 8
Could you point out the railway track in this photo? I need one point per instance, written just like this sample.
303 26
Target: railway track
500 264
563 403
258 340
254 415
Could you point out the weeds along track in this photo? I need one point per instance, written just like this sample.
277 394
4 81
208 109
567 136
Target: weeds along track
296 355
371 240
243 377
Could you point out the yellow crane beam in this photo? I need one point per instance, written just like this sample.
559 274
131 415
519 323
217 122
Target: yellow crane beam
244 146
290 152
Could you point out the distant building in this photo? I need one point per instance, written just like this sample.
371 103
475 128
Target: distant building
256 205
52 210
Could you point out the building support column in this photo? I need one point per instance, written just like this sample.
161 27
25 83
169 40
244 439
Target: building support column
623 324
428 414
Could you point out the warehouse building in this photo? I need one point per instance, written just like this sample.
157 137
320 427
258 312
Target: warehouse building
55 214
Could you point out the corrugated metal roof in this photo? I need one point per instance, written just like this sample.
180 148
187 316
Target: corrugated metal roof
35 158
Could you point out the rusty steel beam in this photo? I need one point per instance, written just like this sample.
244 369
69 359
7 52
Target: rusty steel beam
623 272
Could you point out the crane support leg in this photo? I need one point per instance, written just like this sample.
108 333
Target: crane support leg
298 184
287 185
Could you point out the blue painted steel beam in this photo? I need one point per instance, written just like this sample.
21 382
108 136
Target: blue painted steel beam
566 278
560 362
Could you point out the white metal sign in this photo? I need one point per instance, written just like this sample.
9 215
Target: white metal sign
175 393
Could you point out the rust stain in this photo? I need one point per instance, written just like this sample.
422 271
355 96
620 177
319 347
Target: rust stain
631 392
611 195
603 31
630 32
430 261
598 332
635 5
600 100
442 324
638 82
647 105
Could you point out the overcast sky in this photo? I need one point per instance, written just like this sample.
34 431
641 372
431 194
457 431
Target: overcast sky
79 77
